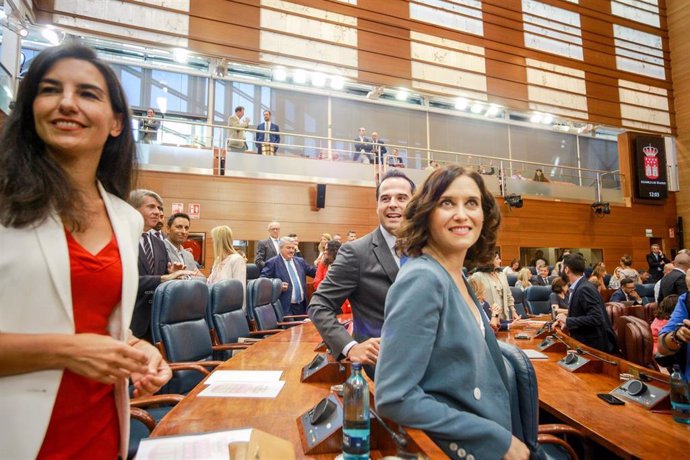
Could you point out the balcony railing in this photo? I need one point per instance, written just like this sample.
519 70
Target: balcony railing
187 146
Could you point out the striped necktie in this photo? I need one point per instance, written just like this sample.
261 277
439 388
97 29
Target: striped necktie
295 281
148 251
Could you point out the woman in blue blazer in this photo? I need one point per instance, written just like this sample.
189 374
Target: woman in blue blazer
67 158
440 368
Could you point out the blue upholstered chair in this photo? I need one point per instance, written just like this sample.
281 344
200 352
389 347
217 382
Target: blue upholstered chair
180 331
512 279
524 404
518 296
278 307
537 299
226 319
262 316
253 272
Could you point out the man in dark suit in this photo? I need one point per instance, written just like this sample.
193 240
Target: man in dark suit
362 145
626 293
542 279
154 265
268 248
587 320
267 136
656 260
363 271
674 281
378 149
292 271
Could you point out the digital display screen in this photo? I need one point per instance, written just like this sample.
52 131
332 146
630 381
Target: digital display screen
650 162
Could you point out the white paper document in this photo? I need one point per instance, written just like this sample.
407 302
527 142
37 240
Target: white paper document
205 446
534 354
243 376
243 390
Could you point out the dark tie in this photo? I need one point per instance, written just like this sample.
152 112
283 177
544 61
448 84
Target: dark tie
159 236
148 251
295 282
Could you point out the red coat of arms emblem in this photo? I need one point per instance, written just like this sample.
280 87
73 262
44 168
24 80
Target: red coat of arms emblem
651 162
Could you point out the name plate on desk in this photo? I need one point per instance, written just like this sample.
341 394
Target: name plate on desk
321 427
323 370
572 362
646 395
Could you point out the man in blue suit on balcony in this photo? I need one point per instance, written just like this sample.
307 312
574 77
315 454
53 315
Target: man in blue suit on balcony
292 271
267 136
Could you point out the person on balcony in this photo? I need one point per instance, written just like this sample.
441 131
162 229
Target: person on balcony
238 123
148 127
267 137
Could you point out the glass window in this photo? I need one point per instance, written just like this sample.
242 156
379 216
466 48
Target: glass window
540 146
185 94
403 127
301 113
466 135
599 154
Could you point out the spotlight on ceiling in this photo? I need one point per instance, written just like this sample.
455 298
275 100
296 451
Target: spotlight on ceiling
299 76
547 120
536 117
180 55
337 82
513 200
477 108
461 103
402 94
279 74
318 79
601 208
493 110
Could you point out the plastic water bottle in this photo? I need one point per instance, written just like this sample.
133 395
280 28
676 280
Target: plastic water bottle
679 397
356 416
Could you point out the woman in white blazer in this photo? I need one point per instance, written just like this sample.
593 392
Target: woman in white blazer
68 158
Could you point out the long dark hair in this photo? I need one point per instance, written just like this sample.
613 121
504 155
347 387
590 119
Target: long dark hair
32 182
414 231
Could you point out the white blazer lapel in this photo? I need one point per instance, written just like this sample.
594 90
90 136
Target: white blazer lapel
128 254
53 243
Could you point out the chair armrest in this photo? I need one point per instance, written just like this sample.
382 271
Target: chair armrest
155 400
296 316
266 332
551 439
188 367
559 429
231 346
289 324
143 416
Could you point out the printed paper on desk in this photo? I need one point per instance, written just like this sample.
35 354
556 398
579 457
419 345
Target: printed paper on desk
243 390
243 376
205 446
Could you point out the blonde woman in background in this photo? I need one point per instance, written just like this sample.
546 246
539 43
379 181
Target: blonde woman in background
523 279
325 238
228 264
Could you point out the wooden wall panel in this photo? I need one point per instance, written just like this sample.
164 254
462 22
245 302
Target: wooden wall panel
678 26
247 205
224 28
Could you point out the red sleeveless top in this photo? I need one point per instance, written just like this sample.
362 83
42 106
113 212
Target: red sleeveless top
84 423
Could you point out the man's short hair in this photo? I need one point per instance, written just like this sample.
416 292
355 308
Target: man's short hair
576 263
270 224
292 235
392 173
626 281
286 240
351 231
239 108
269 112
172 218
136 197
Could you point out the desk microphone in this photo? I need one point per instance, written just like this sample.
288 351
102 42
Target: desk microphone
399 439
555 336
580 351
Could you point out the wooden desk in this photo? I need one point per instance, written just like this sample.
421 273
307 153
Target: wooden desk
288 351
630 431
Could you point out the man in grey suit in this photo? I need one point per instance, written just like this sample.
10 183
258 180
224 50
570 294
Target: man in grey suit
363 272
265 249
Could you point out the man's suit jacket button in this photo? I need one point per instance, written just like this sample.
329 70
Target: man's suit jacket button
477 394
453 446
462 453
151 302
470 457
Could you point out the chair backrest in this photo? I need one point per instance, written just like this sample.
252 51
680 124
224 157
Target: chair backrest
607 278
537 299
224 314
635 340
512 279
646 291
519 301
650 311
615 310
178 324
253 272
275 298
524 401
533 270
607 293
259 295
